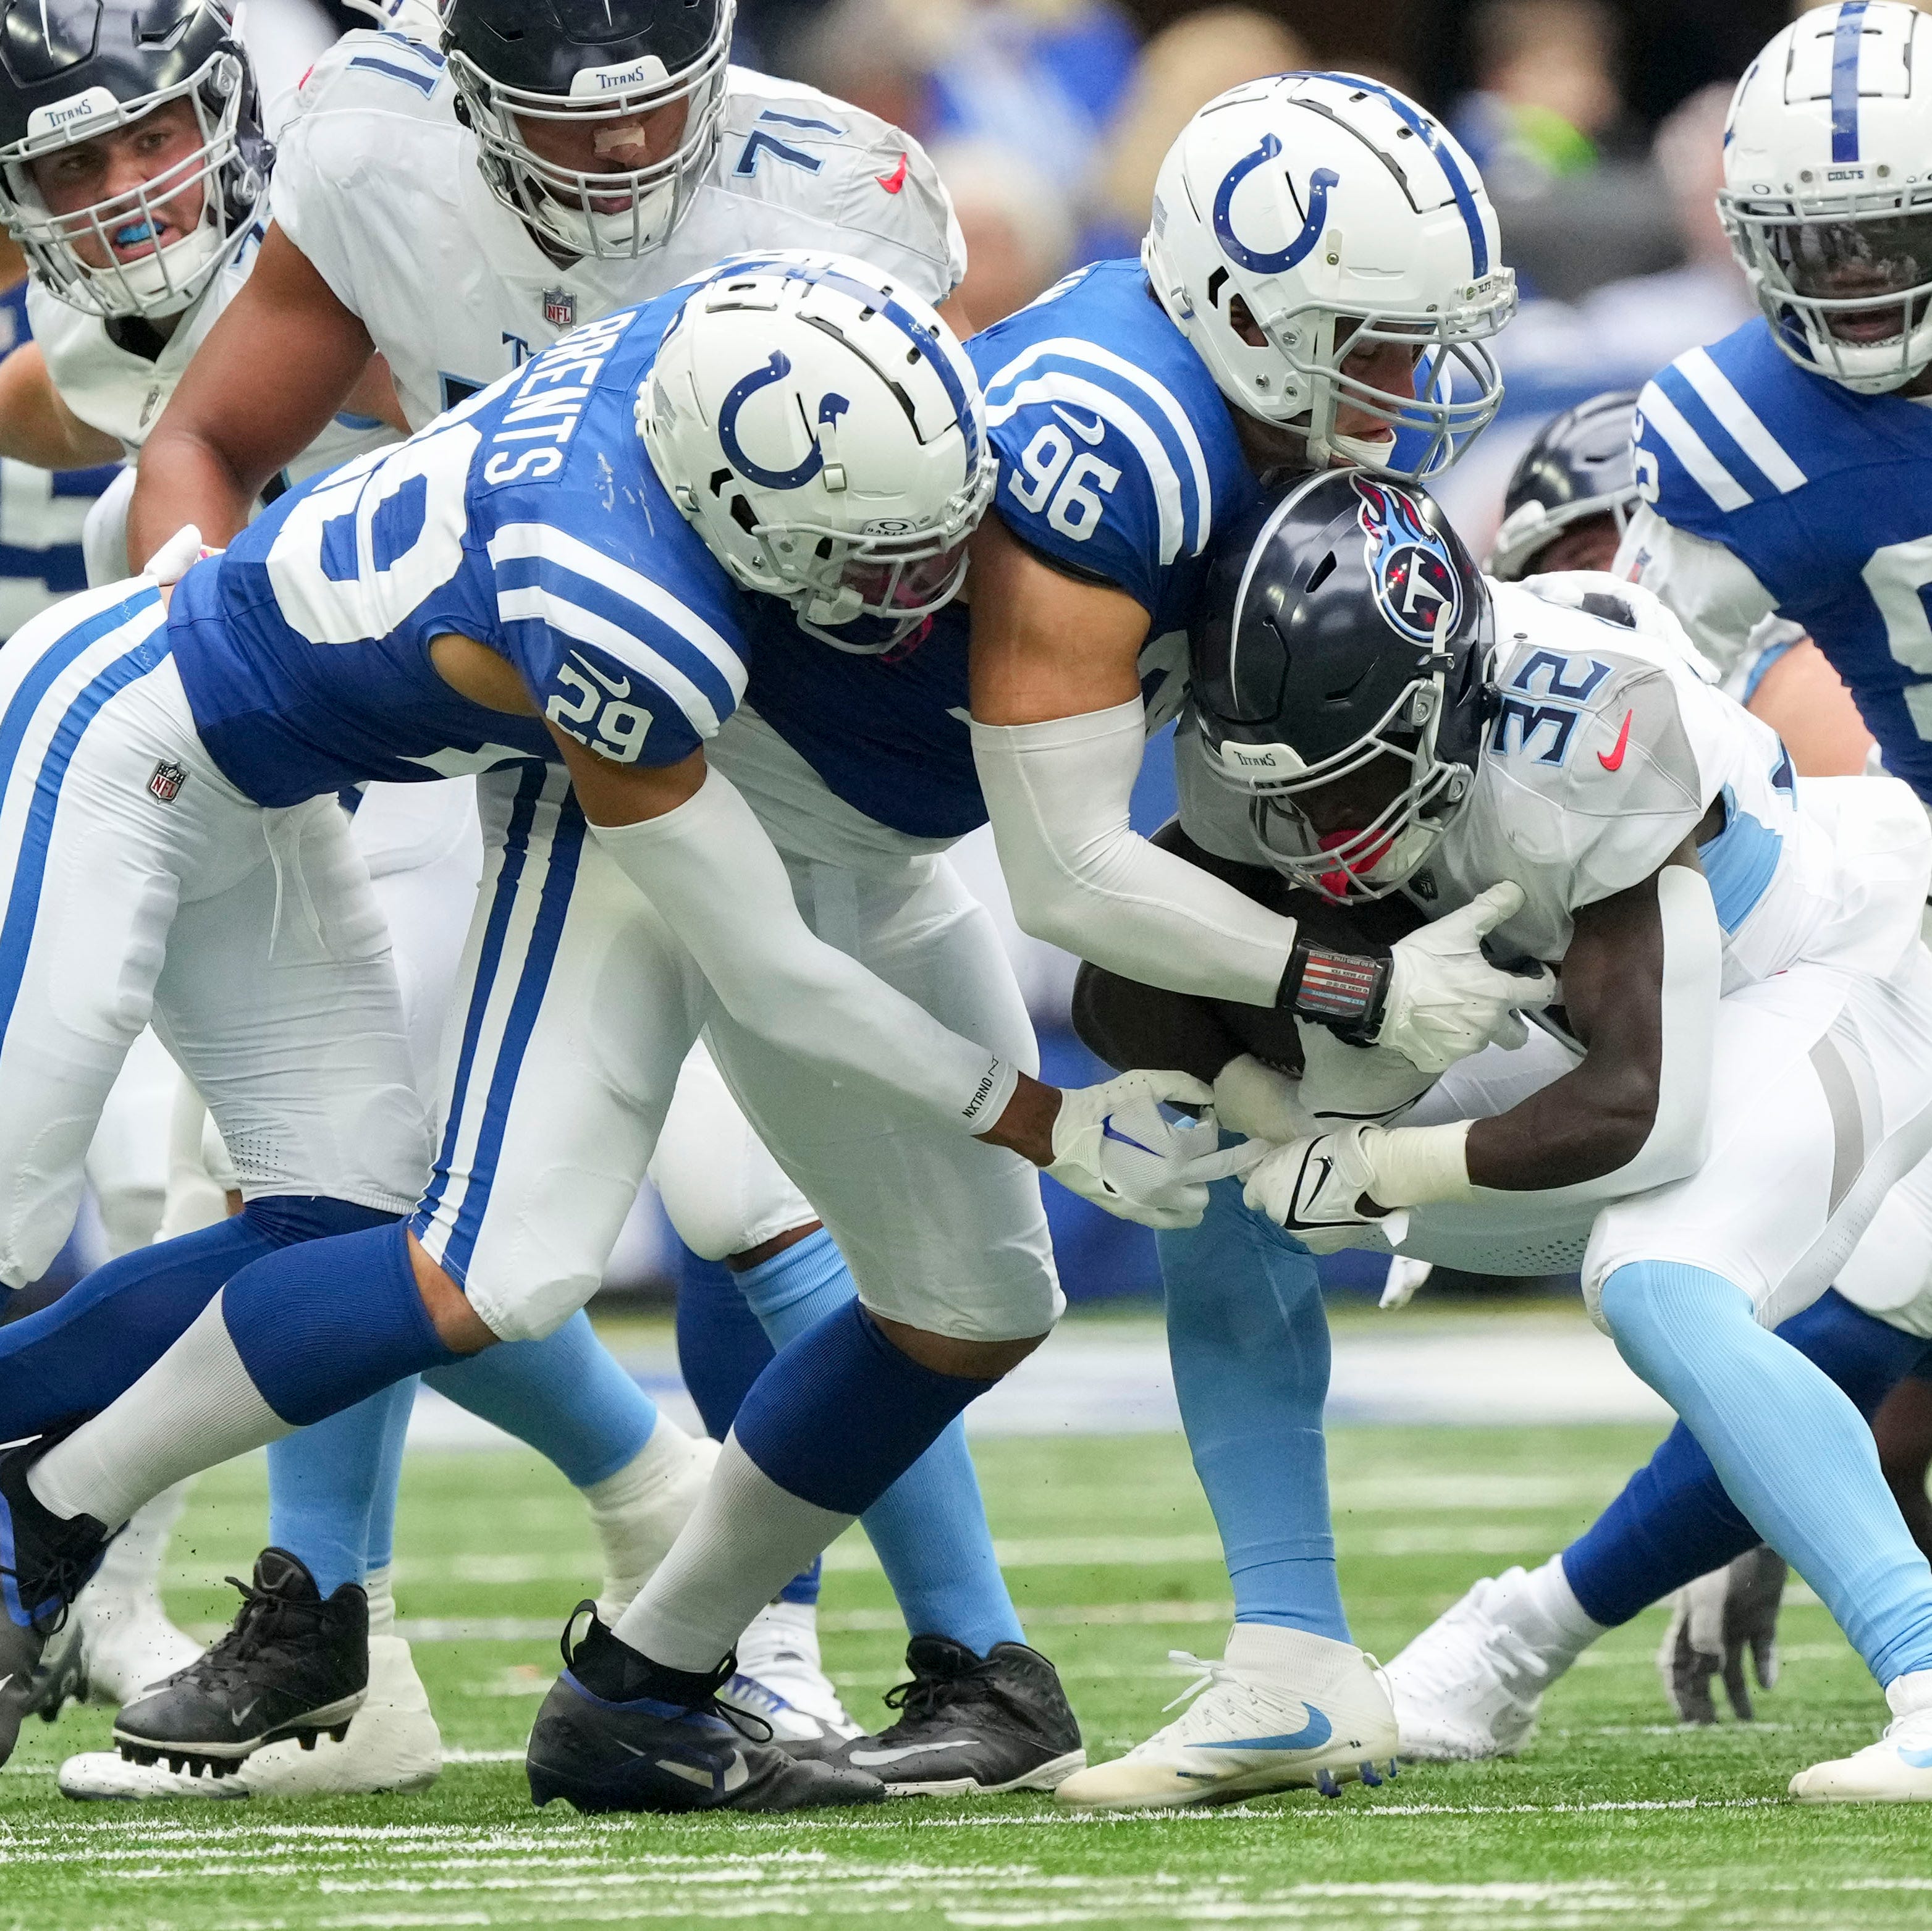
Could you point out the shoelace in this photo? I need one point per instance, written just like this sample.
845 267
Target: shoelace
258 1622
65 1576
923 1698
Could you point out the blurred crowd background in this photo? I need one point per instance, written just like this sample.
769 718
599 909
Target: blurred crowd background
1597 125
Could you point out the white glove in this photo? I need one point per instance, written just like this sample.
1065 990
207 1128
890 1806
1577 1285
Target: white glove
1404 1279
1253 1098
1112 1145
1446 1001
418 20
178 556
1312 1189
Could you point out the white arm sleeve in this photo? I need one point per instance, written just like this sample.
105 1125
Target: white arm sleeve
1711 592
1082 879
710 870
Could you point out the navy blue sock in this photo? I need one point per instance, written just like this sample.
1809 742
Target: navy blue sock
326 1324
1673 1521
103 1335
841 1414
722 1348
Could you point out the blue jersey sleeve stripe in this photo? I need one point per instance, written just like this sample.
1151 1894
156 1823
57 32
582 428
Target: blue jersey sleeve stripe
533 604
1741 422
1098 366
1847 40
1662 419
559 547
1445 158
1715 437
622 619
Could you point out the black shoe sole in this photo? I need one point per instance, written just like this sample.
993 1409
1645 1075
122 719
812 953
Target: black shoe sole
330 1719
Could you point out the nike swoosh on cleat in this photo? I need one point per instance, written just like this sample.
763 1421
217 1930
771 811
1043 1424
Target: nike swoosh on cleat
239 1717
1087 432
5 1680
892 183
866 1758
1615 761
1311 1736
1917 1760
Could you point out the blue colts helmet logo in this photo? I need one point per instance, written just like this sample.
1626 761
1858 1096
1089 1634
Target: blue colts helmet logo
1414 577
1265 262
830 409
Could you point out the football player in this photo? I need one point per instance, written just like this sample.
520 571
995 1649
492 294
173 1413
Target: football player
518 585
1743 989
135 178
1323 265
1571 494
459 209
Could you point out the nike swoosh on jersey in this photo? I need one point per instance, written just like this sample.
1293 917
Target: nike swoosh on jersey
1615 760
1311 1736
616 690
892 183
866 1758
1087 432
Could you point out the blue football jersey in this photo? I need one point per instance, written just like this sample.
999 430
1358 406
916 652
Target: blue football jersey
530 519
1826 497
1117 454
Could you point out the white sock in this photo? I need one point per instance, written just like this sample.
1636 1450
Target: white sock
133 1564
1545 1612
195 1406
381 1585
745 1541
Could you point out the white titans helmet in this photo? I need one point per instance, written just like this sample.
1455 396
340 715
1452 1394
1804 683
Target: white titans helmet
822 429
1828 190
1341 217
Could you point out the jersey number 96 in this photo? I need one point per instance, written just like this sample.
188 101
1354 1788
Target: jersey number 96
1067 487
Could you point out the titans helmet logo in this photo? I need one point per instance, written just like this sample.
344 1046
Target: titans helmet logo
1410 569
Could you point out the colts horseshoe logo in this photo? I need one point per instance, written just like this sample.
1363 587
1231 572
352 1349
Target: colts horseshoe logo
1260 262
830 409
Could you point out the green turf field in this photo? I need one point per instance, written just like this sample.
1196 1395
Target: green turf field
1614 1819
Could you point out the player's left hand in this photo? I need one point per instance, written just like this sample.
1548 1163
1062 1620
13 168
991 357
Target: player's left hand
1113 1145
1316 1190
1715 1622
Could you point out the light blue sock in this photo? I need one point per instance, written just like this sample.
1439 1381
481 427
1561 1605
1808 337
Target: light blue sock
566 1396
1249 1339
331 1487
929 1527
1791 1449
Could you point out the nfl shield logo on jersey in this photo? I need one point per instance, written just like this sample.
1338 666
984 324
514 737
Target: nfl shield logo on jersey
560 308
167 781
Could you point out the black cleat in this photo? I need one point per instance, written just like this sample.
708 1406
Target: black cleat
60 1676
619 1732
293 1665
45 1560
974 1726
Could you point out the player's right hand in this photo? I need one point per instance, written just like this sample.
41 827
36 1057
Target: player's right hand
1446 1001
1314 1189
1113 1145
1714 1623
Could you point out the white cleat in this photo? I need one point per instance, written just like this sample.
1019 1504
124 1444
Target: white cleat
1897 1769
127 1642
393 1744
1286 1709
780 1680
1469 1686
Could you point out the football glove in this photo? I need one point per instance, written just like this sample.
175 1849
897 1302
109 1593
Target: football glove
1112 1145
1714 1623
1446 1001
1314 1190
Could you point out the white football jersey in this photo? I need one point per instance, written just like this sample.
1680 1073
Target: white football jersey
1606 751
376 182
122 393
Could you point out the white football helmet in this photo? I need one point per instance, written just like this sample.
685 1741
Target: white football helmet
823 429
1343 218
1828 190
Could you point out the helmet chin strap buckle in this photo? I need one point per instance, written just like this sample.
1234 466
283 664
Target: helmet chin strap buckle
829 609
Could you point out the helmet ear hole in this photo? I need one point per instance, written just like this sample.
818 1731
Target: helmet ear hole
743 516
1320 573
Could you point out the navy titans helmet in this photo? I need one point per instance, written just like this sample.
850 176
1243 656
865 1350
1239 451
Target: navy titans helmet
566 62
72 70
1343 622
1581 465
